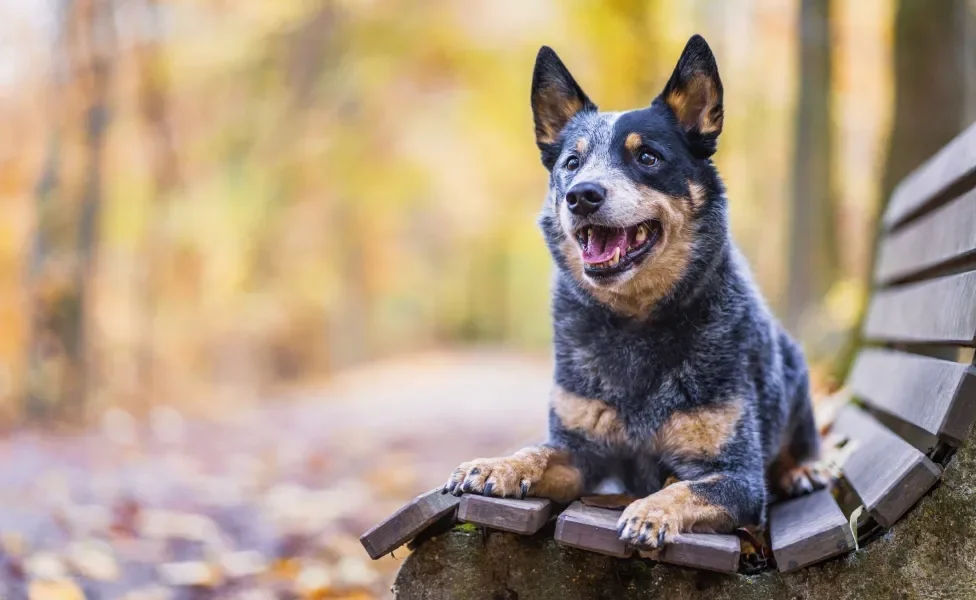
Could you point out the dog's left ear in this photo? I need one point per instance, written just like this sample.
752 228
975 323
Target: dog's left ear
694 94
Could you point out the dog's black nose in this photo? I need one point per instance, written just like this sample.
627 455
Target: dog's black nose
585 198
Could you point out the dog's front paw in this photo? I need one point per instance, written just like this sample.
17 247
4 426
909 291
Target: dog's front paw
650 522
509 477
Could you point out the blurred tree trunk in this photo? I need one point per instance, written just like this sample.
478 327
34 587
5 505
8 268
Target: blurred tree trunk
930 83
153 107
63 261
934 98
812 249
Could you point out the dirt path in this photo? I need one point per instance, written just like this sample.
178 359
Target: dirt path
267 503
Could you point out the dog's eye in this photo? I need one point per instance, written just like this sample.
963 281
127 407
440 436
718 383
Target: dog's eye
646 157
572 163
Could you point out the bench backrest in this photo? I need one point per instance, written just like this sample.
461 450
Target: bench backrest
924 298
917 408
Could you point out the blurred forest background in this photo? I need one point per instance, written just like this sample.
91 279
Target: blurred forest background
206 200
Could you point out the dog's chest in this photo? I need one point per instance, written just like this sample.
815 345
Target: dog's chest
623 368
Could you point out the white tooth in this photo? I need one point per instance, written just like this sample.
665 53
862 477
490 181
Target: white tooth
615 258
641 236
589 235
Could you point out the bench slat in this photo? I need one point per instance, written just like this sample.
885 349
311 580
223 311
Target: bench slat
807 530
709 551
936 396
954 164
595 529
945 235
518 516
888 473
942 311
591 528
406 523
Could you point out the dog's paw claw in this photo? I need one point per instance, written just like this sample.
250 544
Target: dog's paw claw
648 523
510 477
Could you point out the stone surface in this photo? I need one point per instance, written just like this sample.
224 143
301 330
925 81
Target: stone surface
928 554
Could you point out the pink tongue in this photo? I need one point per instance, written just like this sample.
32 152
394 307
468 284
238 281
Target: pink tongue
604 242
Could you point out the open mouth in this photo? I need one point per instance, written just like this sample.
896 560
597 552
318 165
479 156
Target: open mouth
612 250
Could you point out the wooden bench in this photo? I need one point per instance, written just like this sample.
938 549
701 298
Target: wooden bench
913 383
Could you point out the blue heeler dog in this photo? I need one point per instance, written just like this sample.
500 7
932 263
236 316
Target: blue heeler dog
671 375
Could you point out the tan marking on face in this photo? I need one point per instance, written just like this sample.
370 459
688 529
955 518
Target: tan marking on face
555 109
633 142
658 273
581 145
548 471
595 419
702 432
694 105
673 510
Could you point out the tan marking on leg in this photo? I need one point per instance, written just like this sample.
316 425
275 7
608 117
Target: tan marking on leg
538 471
789 478
803 479
701 432
633 142
657 519
595 419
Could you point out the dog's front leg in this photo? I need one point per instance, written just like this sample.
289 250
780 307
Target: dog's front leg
544 471
716 503
718 463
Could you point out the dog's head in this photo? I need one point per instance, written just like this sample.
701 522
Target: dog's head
628 191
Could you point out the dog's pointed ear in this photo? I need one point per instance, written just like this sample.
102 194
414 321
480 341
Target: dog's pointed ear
694 94
556 98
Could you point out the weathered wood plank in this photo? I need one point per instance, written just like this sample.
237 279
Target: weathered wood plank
518 516
591 528
939 311
946 235
595 529
888 473
936 396
953 165
807 530
710 551
406 523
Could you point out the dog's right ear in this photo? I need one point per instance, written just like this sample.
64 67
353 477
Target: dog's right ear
556 98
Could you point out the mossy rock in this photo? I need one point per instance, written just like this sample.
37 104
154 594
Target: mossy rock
930 554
